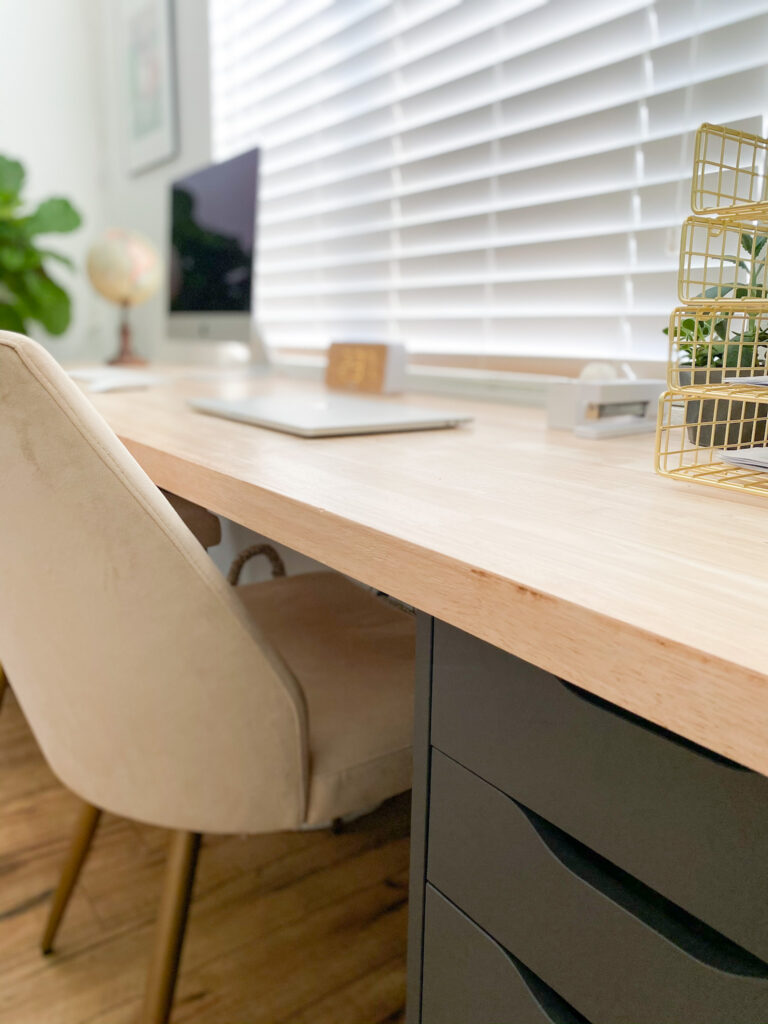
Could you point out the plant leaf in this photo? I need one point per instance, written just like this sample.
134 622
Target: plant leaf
49 303
717 291
740 355
710 355
704 329
10 320
11 180
13 257
27 292
52 215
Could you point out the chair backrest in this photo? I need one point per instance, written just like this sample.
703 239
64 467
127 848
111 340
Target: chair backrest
149 690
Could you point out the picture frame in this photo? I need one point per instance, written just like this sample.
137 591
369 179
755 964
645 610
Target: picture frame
151 120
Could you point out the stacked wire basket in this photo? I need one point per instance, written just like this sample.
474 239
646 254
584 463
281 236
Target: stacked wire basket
718 337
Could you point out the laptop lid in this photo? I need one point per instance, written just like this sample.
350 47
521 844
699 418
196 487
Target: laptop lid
328 415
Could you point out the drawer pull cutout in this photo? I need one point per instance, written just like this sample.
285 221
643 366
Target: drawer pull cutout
679 927
652 727
556 1008
470 978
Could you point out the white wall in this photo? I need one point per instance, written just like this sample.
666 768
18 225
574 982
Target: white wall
139 202
51 119
62 115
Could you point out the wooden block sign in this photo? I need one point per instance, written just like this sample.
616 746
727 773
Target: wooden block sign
372 367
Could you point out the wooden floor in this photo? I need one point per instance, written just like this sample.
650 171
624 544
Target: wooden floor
289 929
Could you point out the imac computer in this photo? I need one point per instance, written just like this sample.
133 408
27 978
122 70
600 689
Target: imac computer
212 258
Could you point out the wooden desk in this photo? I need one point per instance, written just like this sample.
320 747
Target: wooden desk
570 861
568 553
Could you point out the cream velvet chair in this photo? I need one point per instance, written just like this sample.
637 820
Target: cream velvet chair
205 526
154 689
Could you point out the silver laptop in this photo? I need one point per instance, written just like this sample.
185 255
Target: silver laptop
328 415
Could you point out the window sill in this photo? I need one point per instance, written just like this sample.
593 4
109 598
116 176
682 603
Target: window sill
461 382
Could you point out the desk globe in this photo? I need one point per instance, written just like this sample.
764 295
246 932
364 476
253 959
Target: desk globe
126 269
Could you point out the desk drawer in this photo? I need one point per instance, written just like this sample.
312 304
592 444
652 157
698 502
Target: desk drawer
612 948
469 979
690 824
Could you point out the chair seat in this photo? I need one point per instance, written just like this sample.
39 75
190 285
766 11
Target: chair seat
353 655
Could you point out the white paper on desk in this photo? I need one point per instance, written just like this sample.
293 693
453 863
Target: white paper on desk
113 378
746 458
758 382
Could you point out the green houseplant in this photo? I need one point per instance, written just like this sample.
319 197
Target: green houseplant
706 350
27 290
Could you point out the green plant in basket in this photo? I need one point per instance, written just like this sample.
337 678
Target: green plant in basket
27 290
710 344
704 342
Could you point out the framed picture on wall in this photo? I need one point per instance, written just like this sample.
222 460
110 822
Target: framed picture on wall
148 73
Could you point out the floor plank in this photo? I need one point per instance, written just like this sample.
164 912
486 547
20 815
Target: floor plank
302 928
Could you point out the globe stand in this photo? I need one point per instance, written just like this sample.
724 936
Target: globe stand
125 355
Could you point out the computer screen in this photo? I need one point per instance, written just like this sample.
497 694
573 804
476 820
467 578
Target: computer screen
213 232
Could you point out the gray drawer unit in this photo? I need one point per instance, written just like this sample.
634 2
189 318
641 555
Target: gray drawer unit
612 948
470 979
689 823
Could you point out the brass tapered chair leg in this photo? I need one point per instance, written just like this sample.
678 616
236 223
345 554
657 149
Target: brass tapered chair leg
85 830
171 924
3 684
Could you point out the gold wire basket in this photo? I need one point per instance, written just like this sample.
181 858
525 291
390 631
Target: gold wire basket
718 340
717 346
694 431
729 171
722 259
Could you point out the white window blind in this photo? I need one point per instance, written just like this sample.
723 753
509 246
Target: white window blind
487 177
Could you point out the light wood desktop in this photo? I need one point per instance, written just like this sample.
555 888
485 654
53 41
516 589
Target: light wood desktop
536 557
569 553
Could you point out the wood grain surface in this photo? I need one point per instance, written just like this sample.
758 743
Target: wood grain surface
567 552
